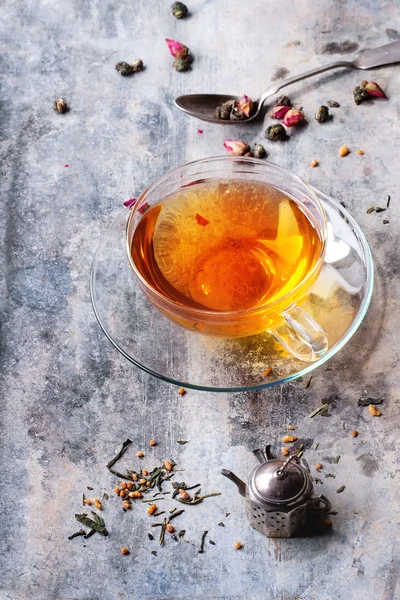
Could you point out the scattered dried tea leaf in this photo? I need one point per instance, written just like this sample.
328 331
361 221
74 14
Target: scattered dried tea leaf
341 489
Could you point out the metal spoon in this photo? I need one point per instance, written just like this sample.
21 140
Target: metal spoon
203 106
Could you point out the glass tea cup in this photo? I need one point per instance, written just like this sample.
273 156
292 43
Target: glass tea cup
294 328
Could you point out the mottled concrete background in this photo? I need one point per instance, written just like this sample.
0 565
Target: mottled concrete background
68 397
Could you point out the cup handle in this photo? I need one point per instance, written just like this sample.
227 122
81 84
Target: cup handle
301 335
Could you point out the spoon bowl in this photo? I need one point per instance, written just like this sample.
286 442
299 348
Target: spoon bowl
203 107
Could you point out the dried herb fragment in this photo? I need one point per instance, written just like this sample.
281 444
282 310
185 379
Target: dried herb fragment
336 459
276 133
341 489
388 202
221 524
197 499
176 513
385 222
124 448
236 147
322 410
227 514
203 539
211 542
181 535
154 552
379 209
179 10
370 210
322 115
224 111
316 446
162 533
97 523
76 534
151 537
283 101
182 442
88 487
157 514
258 151
333 104
61 106
182 64
360 94
327 475
318 480
308 383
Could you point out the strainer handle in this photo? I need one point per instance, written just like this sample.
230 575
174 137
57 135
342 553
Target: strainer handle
321 499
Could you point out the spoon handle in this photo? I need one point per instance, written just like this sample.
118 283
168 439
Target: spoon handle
278 85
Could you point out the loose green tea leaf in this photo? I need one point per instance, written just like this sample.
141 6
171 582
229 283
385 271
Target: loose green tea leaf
330 475
105 496
198 499
91 532
388 202
181 442
154 552
221 524
308 382
211 542
175 514
321 410
157 514
97 523
162 533
316 446
76 534
341 489
203 539
151 537
370 210
89 487
336 459
124 448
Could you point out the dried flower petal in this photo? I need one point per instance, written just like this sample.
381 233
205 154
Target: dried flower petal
245 104
201 221
236 147
373 89
177 49
278 112
293 117
129 203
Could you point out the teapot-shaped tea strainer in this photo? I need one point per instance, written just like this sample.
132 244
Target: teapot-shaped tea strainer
279 495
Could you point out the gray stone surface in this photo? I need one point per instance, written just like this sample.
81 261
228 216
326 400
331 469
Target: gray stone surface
69 399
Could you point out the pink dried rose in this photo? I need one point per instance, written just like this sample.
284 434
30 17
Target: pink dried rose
245 104
373 89
278 112
293 117
129 203
236 147
177 49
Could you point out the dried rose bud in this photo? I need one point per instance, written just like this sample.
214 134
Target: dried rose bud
373 89
293 117
182 64
278 112
236 147
276 133
224 111
177 49
258 151
61 106
245 104
283 101
322 114
179 10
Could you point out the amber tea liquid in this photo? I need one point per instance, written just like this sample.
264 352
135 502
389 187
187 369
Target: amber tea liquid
225 246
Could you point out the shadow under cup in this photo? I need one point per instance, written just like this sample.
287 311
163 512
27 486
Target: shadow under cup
300 334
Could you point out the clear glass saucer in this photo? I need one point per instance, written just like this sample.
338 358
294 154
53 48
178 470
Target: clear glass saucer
338 301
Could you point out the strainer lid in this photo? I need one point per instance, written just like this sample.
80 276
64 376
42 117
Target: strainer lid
279 485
